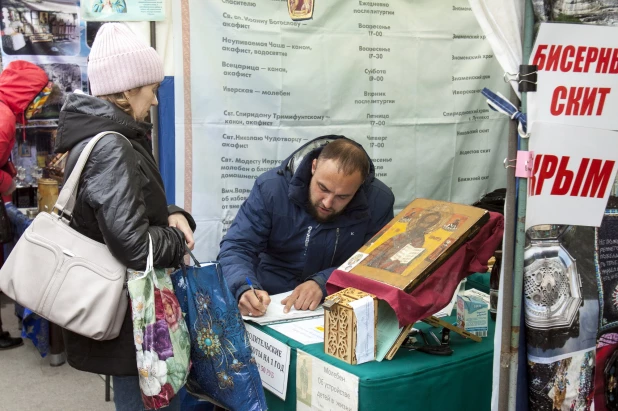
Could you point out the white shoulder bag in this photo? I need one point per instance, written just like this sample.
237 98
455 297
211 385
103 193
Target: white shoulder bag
64 276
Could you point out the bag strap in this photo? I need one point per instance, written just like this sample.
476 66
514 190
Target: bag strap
66 198
149 264
197 263
150 258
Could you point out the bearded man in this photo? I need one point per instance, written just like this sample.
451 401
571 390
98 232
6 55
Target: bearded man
302 220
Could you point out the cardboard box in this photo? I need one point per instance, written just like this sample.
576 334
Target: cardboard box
340 324
472 313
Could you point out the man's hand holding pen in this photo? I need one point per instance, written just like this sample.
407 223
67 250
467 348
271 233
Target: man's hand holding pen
253 302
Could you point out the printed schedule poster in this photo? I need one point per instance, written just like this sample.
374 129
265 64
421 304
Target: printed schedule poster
404 79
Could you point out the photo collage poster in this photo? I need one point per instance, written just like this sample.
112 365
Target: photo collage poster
561 314
52 35
123 10
571 289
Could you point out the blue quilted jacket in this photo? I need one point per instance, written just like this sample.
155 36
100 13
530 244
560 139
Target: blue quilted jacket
277 244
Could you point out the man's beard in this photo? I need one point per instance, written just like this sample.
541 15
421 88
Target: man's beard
313 211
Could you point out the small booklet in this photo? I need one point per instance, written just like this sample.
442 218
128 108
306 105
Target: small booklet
390 335
274 313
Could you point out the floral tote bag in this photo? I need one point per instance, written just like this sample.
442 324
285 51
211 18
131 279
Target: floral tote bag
162 341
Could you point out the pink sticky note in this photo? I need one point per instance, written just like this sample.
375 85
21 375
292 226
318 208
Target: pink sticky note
525 160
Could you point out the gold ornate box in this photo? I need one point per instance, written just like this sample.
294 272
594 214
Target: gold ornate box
340 324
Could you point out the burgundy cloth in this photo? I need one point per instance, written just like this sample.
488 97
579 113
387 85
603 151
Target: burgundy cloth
437 290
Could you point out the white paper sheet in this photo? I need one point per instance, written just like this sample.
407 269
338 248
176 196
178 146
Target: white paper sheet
274 313
305 331
365 330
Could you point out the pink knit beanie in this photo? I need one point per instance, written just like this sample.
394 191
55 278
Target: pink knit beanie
119 61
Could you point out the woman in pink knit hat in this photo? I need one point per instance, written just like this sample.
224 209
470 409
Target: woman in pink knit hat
120 197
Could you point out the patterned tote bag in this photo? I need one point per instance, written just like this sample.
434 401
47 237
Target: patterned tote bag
162 341
224 371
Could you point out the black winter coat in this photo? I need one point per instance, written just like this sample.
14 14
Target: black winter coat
120 200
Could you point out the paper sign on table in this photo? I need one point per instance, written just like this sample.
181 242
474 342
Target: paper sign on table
322 386
273 360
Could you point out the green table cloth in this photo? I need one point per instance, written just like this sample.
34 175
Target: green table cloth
412 380
480 281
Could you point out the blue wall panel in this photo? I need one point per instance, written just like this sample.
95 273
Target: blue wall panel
167 137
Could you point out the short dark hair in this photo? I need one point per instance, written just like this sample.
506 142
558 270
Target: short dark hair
349 156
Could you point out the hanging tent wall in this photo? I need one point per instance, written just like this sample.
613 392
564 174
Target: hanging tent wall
503 24
403 79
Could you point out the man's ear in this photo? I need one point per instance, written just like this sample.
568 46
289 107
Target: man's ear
314 165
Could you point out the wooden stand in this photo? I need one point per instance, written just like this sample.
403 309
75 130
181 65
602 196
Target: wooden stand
436 322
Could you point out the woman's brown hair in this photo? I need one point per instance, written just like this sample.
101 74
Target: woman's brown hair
121 101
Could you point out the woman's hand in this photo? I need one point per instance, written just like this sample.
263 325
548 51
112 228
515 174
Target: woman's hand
180 222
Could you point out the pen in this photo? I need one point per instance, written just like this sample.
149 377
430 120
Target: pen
253 289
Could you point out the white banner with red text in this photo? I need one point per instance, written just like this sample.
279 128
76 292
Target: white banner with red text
577 79
573 172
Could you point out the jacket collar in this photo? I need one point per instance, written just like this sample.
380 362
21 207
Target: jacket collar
83 116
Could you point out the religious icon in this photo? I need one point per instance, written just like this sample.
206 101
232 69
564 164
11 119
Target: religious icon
300 9
109 6
396 253
413 244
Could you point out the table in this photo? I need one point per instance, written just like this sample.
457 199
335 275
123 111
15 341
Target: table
412 380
